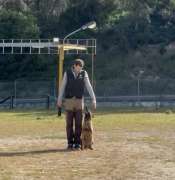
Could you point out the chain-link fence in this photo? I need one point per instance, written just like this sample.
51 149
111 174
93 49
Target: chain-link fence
116 89
28 88
29 93
138 87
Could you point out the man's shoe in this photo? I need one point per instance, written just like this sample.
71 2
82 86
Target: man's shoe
70 147
77 147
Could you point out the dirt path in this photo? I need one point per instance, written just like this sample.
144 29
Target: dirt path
118 155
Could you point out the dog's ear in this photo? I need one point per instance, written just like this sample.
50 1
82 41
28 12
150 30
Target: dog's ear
88 113
87 116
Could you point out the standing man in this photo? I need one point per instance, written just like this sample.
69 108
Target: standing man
74 82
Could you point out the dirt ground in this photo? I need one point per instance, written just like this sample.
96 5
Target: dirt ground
119 154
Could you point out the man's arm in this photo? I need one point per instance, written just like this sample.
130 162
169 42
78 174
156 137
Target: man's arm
89 89
62 89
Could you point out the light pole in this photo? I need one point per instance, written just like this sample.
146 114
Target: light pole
138 83
90 25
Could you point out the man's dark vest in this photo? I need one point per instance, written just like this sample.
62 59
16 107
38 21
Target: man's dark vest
74 86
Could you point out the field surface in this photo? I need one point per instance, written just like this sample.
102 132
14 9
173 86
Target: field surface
128 145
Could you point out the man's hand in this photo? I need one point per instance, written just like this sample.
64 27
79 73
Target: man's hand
59 104
93 105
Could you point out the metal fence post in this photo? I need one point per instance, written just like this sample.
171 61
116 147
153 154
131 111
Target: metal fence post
138 89
54 88
15 86
11 102
48 102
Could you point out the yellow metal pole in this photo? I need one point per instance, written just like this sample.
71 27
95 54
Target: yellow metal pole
60 67
60 72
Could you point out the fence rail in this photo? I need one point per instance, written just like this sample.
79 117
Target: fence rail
46 46
117 90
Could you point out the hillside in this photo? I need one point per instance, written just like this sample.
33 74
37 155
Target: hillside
132 36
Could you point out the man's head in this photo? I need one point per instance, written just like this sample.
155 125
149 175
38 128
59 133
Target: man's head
78 65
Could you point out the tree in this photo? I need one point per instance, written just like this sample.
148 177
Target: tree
17 25
84 11
16 5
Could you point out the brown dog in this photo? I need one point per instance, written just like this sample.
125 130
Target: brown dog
87 131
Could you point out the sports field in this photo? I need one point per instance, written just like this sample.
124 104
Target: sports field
129 145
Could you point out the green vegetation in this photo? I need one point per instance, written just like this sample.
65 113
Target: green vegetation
47 124
132 35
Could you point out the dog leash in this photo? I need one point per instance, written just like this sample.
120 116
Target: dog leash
86 109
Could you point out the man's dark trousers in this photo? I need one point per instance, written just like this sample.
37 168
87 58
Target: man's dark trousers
74 118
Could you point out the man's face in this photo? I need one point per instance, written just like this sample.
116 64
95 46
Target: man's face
77 68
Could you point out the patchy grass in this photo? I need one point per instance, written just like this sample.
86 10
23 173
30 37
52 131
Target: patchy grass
129 144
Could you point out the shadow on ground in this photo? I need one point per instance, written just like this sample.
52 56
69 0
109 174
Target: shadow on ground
11 154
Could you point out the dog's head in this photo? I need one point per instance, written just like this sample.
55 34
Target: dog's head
88 115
